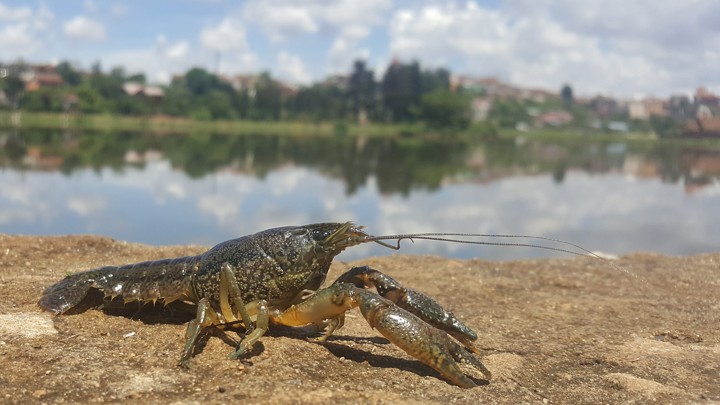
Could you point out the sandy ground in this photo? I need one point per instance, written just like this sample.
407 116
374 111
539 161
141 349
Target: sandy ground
552 331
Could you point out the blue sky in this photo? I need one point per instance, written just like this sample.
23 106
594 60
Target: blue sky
625 48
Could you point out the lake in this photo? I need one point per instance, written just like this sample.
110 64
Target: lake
610 197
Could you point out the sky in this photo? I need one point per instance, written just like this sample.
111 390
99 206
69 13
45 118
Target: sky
620 48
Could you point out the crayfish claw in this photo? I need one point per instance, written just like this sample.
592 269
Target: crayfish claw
416 337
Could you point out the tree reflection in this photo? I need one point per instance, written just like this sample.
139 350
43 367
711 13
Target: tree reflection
398 165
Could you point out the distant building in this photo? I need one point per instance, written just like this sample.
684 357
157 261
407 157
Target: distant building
243 83
644 109
153 93
656 107
637 110
553 118
480 108
703 127
680 107
486 86
34 76
707 104
705 97
605 106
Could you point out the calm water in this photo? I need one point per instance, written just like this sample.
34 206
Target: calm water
203 189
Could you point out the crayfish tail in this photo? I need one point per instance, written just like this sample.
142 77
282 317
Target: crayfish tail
166 279
67 293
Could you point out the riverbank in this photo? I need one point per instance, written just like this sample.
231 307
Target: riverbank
166 124
551 331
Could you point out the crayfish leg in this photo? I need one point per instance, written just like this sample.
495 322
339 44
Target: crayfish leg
205 317
261 326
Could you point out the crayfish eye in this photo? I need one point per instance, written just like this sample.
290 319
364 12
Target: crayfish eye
320 235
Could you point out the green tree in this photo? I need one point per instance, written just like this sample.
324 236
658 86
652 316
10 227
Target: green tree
445 109
68 73
320 102
200 82
361 88
90 100
131 105
118 72
438 79
109 87
566 93
401 90
508 113
242 103
136 78
219 105
178 100
665 127
268 98
42 100
13 87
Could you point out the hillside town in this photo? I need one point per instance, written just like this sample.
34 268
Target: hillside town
400 95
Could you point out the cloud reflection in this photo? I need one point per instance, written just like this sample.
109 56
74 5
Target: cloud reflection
155 204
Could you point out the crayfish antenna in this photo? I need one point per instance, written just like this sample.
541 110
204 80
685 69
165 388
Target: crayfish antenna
453 238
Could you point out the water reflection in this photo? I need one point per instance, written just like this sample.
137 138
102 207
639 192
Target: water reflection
206 188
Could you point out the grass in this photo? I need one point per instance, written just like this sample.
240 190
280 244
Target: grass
167 125
176 125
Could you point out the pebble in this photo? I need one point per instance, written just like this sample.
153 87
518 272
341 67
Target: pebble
39 393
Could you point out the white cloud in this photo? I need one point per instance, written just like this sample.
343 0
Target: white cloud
16 40
90 5
342 53
229 36
349 22
17 14
228 41
84 28
291 68
24 32
281 20
158 63
621 48
178 50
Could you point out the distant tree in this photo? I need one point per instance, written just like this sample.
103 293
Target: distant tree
268 98
508 113
320 102
68 73
438 79
665 127
445 109
401 90
242 103
219 105
90 100
118 72
178 100
361 89
13 87
42 100
200 82
96 68
136 78
130 105
109 87
566 93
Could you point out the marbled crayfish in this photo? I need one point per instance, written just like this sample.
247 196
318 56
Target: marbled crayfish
274 277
